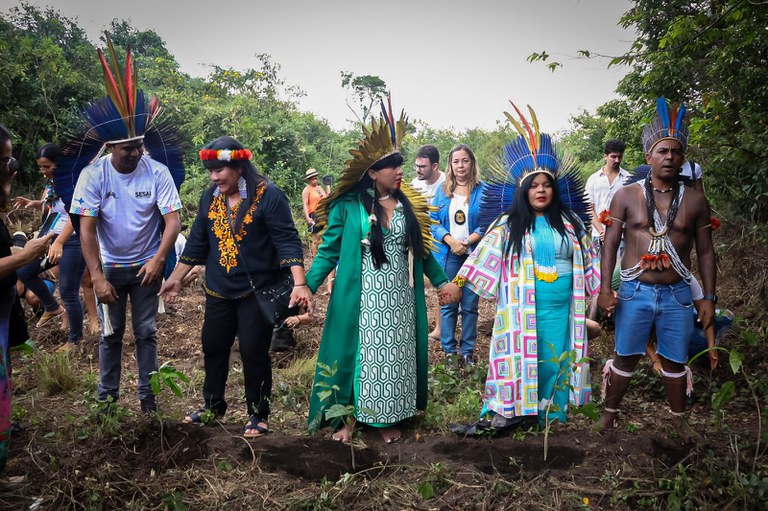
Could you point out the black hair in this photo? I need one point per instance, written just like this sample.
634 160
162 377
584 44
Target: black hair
429 151
5 134
521 217
615 146
412 227
49 151
247 171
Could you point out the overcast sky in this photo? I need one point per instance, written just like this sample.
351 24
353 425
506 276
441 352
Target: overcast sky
449 63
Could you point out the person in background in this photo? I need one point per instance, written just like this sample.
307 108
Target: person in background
428 179
65 251
458 228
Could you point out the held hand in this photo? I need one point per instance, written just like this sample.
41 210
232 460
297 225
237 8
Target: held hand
607 302
151 271
302 296
449 293
37 248
292 322
170 290
104 291
458 248
54 252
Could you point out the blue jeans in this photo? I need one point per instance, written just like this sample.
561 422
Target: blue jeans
144 302
71 269
668 307
449 314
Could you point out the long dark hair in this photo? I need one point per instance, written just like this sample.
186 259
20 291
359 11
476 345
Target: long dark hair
247 171
412 228
49 151
521 216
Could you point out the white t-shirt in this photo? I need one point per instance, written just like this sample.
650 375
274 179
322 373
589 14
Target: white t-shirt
428 190
685 171
129 207
458 215
600 191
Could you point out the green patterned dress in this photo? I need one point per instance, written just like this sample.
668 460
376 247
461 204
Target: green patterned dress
385 369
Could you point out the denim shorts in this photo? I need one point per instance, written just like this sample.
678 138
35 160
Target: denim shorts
668 307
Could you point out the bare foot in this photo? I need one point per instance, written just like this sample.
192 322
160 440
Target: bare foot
390 435
344 435
607 421
686 432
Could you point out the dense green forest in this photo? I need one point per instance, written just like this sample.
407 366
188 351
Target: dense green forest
710 54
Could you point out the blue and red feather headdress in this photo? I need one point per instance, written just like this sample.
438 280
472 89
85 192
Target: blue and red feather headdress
123 115
532 152
668 125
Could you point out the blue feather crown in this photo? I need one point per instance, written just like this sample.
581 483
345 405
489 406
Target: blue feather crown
668 125
532 152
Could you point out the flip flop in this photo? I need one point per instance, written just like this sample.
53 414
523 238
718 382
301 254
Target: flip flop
253 425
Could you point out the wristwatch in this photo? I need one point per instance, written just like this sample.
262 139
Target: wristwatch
712 298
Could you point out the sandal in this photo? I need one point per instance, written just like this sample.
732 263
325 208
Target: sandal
201 416
253 425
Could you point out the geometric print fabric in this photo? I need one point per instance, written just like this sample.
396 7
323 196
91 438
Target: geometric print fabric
386 363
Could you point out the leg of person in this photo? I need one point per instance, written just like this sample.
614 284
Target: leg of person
72 267
449 313
89 299
469 302
674 327
634 318
7 298
218 334
255 335
144 301
111 346
29 275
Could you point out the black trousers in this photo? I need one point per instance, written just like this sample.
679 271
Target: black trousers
225 319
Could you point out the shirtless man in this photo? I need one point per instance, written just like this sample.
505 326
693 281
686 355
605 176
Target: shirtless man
655 274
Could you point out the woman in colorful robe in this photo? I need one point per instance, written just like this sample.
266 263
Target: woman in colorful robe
534 260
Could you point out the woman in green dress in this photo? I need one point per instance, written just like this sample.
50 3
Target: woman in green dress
375 333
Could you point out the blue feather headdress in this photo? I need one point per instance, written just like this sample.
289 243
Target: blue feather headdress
531 153
123 115
668 125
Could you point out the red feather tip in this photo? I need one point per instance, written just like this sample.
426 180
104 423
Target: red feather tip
528 128
109 79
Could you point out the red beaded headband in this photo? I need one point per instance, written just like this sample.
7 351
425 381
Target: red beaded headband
225 154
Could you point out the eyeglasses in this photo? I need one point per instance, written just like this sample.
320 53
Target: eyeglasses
420 167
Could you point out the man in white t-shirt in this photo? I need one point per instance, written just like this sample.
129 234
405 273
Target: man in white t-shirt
603 184
129 221
428 179
428 174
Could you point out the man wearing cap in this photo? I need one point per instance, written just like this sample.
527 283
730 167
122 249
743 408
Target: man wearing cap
661 221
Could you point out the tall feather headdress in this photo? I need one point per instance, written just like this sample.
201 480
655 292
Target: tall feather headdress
668 125
123 115
532 152
382 139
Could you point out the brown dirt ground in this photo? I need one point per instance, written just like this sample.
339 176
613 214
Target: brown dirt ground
62 460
